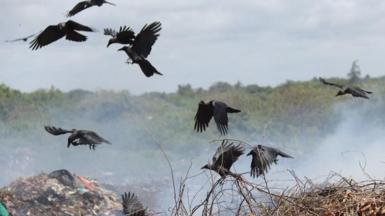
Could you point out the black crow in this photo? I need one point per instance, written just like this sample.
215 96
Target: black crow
54 32
213 108
263 157
86 4
226 154
24 39
78 137
125 35
347 89
141 48
132 206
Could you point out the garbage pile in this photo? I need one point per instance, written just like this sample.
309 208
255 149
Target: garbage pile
59 193
341 198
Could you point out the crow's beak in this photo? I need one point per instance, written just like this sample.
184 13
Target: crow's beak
109 3
121 49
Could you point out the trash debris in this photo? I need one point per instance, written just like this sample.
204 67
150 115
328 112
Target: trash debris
59 193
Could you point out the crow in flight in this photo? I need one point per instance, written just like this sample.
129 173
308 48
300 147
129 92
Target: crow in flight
24 39
132 206
78 137
141 48
263 157
346 89
226 154
54 32
86 4
125 35
213 108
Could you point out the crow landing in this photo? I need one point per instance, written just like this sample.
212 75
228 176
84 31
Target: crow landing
347 89
54 32
226 154
78 137
213 108
86 4
141 47
132 206
263 157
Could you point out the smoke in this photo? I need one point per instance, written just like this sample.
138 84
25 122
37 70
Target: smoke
134 160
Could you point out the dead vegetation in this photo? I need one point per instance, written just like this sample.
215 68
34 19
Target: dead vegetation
338 196
335 196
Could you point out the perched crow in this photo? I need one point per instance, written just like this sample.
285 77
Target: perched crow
78 137
213 108
226 154
125 35
24 39
263 157
54 32
141 48
86 4
132 206
346 89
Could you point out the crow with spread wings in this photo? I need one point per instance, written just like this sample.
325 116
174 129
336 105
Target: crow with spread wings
125 35
54 32
141 47
86 4
132 206
355 91
263 157
215 109
78 137
226 154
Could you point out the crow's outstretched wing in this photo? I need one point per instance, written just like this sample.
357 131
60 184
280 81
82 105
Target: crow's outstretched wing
50 34
226 154
77 26
93 137
79 7
75 36
25 39
131 205
330 83
262 158
56 131
146 39
203 116
220 117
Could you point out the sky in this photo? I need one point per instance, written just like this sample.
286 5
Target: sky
201 42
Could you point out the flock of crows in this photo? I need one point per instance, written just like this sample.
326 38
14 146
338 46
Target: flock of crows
138 49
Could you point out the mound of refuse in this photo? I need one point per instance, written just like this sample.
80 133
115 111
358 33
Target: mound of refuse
59 193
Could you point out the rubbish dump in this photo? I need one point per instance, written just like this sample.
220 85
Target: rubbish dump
59 193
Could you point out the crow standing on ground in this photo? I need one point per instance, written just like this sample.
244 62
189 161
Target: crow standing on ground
141 48
54 32
263 157
86 4
213 108
125 35
224 157
132 206
346 89
78 137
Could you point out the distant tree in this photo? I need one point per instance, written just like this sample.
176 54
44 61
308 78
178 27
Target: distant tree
355 72
220 87
185 90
